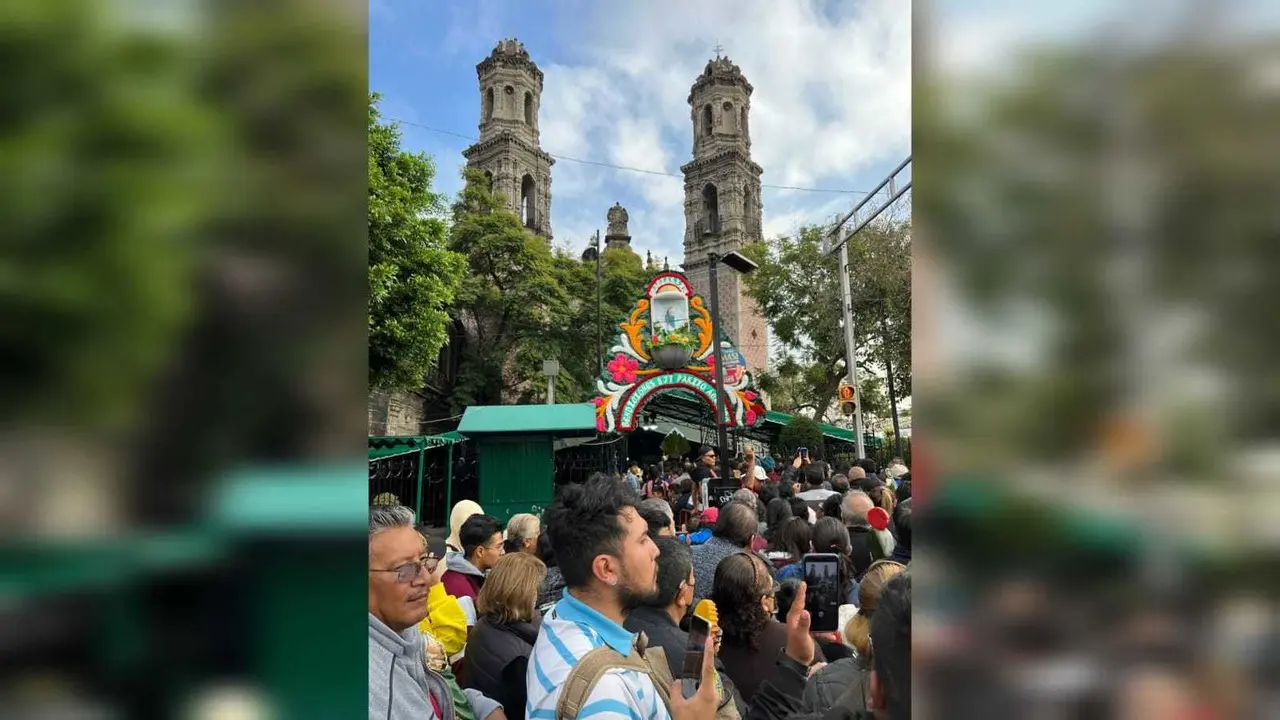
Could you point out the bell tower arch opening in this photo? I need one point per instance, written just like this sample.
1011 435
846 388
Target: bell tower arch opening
711 209
528 205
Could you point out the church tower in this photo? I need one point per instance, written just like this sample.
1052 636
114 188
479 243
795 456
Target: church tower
722 200
508 151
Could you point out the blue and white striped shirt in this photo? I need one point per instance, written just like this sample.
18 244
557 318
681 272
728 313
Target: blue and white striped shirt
569 632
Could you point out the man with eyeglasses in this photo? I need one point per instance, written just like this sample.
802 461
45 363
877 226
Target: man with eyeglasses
400 575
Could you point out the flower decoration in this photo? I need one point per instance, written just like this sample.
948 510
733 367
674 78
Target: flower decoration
600 424
750 395
662 336
751 417
622 369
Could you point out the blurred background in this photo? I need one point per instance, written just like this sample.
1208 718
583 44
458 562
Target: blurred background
182 282
1098 233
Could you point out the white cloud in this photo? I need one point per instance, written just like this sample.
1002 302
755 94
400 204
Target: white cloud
831 106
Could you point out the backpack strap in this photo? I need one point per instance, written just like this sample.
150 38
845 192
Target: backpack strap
594 665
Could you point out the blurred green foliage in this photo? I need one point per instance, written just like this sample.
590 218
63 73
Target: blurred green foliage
413 276
104 188
1157 165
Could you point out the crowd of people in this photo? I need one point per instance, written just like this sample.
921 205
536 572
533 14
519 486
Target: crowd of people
585 611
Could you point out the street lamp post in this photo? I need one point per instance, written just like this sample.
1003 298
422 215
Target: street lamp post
743 265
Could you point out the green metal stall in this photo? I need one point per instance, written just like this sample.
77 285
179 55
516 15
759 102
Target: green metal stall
515 449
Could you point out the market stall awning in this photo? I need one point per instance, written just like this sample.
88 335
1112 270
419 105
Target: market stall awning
567 419
382 446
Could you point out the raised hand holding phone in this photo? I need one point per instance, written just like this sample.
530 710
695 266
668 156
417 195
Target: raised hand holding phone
800 646
703 704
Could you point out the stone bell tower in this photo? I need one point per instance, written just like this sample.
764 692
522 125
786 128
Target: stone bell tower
508 151
722 205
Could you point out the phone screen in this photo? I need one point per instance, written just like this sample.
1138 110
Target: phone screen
804 453
691 671
822 592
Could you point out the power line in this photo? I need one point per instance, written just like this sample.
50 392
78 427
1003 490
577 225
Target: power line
611 166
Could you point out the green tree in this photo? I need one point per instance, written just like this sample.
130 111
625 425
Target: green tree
108 154
799 432
797 289
413 275
511 306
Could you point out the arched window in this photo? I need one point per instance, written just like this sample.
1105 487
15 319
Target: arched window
747 213
488 178
743 126
527 201
488 104
711 209
706 121
528 108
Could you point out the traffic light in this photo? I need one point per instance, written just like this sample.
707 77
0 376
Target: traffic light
848 399
846 392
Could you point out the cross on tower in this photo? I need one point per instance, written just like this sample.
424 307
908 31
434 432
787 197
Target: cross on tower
718 49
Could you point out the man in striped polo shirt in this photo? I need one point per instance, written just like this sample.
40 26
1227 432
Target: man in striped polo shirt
609 563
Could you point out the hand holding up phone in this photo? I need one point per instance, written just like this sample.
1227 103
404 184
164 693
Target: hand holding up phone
800 646
703 704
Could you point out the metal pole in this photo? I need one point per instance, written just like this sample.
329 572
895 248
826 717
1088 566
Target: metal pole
888 364
722 436
551 391
422 462
850 346
599 282
448 483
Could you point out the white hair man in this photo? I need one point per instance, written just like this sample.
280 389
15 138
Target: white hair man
400 574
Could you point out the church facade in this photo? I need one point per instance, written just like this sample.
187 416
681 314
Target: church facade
722 198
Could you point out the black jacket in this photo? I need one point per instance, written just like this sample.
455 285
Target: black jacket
497 655
662 632
782 697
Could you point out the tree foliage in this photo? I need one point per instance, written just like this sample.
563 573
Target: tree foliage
413 275
510 304
799 432
797 288
521 303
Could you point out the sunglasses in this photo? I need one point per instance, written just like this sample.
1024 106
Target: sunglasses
407 572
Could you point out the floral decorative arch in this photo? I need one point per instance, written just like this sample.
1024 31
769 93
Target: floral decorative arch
664 345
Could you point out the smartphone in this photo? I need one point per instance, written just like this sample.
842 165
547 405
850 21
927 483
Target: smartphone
822 592
804 453
691 671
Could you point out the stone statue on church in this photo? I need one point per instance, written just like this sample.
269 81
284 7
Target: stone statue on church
618 220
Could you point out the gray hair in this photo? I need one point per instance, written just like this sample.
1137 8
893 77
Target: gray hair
523 526
848 515
746 497
388 517
661 505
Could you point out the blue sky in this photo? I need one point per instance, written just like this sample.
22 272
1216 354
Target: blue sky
831 107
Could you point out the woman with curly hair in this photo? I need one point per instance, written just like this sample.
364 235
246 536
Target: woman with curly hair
744 596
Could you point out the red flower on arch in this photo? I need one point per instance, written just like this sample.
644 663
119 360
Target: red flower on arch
622 369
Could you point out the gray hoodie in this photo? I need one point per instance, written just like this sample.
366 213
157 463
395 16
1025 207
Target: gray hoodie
399 681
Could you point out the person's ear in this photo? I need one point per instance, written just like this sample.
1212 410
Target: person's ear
605 568
877 693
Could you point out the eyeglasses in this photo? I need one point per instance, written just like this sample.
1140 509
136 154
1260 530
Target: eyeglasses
407 572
